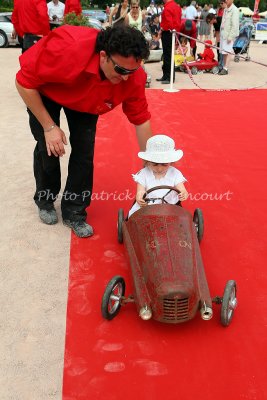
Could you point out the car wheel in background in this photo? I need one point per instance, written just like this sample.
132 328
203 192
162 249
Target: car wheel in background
3 39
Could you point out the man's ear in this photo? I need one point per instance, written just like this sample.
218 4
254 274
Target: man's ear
103 55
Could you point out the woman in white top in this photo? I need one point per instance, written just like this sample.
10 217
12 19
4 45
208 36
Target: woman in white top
135 17
159 156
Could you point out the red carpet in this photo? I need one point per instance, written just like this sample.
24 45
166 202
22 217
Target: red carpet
223 136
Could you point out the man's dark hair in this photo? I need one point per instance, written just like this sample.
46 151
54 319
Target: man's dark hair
123 40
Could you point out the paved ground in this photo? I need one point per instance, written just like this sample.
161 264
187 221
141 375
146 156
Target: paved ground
34 257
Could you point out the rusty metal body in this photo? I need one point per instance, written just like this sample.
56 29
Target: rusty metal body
166 263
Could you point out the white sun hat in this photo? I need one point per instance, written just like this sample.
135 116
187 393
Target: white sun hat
160 149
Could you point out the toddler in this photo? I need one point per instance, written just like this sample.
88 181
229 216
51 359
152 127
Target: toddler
160 154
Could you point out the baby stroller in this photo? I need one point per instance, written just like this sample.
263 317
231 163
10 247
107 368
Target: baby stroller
241 44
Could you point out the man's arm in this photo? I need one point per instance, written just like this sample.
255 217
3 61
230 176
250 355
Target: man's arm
55 138
143 133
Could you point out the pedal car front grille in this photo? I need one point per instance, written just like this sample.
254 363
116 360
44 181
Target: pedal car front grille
175 309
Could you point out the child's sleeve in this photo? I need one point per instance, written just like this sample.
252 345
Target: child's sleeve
178 177
139 177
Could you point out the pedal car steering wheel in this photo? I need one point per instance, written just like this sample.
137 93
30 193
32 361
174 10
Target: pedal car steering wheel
162 199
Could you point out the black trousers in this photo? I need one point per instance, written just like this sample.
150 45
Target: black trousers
78 190
29 40
166 40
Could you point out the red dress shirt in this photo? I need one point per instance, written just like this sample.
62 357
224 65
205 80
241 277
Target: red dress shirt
64 67
192 33
30 16
171 16
73 6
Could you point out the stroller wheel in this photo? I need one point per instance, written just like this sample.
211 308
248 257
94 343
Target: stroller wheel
247 59
236 59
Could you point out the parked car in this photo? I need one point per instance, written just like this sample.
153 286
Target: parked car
6 28
98 14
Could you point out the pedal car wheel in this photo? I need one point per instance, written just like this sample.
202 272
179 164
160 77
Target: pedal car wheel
119 225
194 70
215 70
111 301
199 223
229 303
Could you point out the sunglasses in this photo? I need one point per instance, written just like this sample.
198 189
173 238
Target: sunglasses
121 70
134 6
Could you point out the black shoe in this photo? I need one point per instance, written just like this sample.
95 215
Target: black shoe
223 72
160 79
80 228
48 217
166 82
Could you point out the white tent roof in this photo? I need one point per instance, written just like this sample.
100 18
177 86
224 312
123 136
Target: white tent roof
246 10
263 14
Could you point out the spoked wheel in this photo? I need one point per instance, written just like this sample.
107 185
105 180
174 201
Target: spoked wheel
229 303
215 70
111 301
119 223
199 223
194 70
236 59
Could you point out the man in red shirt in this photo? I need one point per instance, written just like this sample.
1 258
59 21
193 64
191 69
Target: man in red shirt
170 20
86 72
189 28
30 20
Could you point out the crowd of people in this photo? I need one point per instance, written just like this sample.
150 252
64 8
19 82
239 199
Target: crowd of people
219 24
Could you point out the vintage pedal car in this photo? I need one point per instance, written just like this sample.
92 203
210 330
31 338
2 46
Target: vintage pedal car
162 242
200 65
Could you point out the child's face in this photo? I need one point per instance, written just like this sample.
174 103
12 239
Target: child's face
158 169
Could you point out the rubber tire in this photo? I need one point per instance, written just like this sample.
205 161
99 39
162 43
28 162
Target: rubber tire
236 59
225 317
106 313
120 221
199 223
215 70
194 70
4 38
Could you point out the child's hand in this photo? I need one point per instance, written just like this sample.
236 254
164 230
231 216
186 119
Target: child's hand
139 199
183 195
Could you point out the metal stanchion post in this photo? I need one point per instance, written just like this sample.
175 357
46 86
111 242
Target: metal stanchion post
171 89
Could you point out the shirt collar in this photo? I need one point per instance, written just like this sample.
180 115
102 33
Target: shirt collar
93 65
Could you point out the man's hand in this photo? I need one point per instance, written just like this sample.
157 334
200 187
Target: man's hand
55 141
13 34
